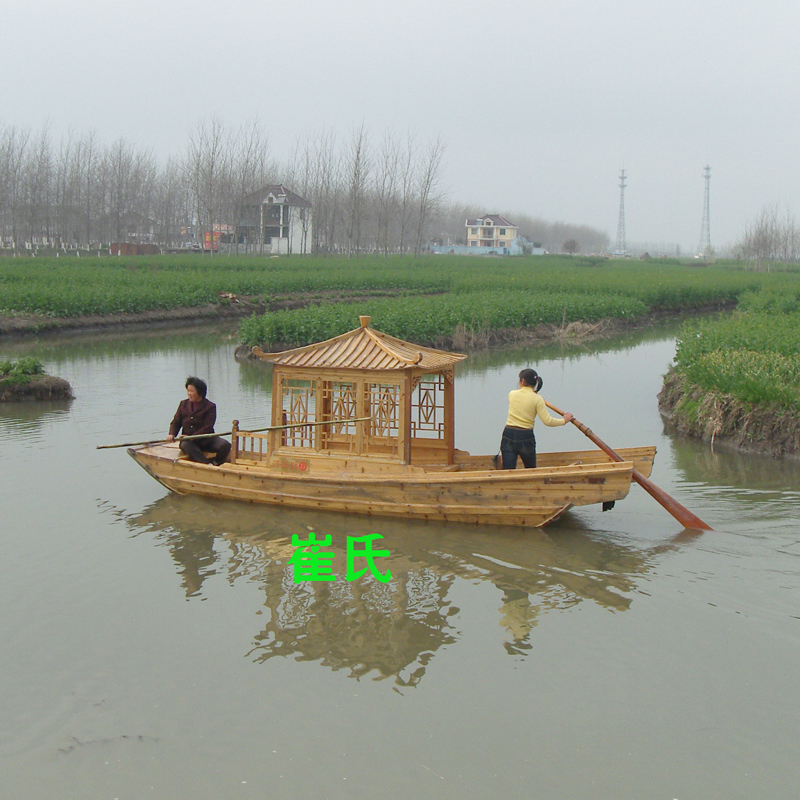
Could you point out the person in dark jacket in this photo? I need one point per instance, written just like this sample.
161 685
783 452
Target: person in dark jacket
195 415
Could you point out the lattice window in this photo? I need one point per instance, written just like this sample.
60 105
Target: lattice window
339 401
427 408
383 403
298 406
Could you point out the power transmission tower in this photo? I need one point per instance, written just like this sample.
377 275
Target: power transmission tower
620 248
705 248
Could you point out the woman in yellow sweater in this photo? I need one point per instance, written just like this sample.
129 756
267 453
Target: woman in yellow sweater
524 405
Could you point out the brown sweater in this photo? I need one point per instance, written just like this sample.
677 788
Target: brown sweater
194 418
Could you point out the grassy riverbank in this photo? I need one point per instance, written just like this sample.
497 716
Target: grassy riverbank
737 379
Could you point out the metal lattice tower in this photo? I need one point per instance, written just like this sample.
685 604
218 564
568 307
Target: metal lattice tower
705 230
621 246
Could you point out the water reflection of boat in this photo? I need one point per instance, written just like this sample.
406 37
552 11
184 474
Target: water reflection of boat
388 630
371 431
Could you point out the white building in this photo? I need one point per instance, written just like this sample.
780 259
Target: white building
274 219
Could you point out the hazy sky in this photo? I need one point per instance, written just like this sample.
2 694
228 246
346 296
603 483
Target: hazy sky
540 102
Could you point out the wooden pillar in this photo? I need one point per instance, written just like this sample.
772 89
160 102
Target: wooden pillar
407 389
449 415
234 440
318 431
275 437
363 429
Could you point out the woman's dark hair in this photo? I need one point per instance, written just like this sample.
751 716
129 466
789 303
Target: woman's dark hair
531 378
198 384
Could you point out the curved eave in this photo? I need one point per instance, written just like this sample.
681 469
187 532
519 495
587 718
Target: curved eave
363 349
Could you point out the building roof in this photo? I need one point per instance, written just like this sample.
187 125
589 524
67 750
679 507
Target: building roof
364 348
261 196
495 219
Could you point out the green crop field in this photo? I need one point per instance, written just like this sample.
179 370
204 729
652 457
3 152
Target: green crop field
484 295
72 287
424 299
57 287
426 319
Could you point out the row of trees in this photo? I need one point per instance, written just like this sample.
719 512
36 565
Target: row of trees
368 194
80 193
772 236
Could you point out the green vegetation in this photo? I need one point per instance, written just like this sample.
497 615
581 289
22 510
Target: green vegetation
25 379
486 295
426 319
108 285
430 298
18 373
752 356
56 287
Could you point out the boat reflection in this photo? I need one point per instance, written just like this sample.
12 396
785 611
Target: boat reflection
389 629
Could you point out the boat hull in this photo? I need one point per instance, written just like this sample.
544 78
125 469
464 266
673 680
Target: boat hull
463 493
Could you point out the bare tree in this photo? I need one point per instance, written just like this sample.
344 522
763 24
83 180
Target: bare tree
385 182
169 206
301 175
357 165
208 173
38 178
408 189
428 189
768 239
249 164
87 169
323 189
14 144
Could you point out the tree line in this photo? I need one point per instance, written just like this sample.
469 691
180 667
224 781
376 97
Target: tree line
772 236
368 194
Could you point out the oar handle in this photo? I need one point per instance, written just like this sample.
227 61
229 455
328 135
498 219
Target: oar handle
682 514
240 431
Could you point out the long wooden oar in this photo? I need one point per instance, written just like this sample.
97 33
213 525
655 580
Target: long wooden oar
228 433
683 515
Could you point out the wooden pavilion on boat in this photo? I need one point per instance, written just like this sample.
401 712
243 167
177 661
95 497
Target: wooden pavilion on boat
363 394
364 424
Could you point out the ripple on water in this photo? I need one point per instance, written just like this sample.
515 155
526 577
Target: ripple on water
30 421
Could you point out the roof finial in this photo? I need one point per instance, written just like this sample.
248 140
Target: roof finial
364 320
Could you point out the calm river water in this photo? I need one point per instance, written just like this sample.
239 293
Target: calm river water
153 646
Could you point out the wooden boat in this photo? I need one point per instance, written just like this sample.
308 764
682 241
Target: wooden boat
364 424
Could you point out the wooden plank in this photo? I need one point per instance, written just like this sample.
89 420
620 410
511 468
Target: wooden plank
578 485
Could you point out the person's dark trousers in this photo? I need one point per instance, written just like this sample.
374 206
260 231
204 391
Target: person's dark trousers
518 442
196 449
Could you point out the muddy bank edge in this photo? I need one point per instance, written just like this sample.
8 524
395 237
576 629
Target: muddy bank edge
715 417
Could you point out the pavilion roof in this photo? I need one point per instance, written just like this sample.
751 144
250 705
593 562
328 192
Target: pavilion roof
364 348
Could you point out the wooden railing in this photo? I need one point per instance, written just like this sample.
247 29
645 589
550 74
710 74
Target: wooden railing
255 445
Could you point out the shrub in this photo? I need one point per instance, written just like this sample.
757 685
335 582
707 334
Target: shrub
16 373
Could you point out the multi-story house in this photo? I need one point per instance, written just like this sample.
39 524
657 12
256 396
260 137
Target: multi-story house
274 220
491 231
